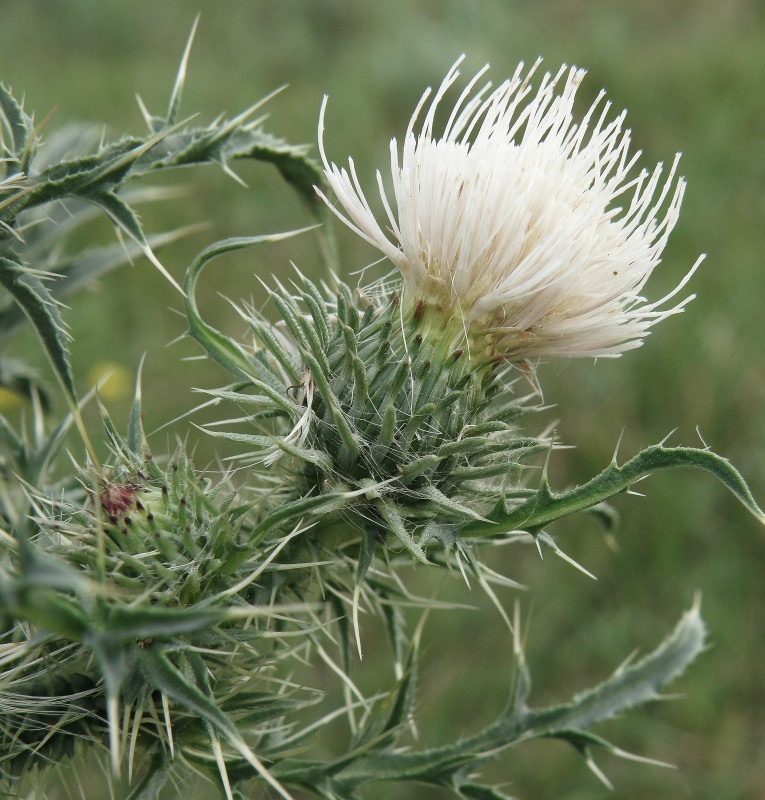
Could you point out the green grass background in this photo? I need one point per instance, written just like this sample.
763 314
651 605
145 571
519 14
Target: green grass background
692 76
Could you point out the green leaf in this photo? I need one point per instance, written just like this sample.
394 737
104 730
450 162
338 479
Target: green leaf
350 447
157 774
387 433
325 503
292 161
142 622
319 314
164 676
629 686
19 128
75 272
173 107
191 690
284 358
270 396
343 627
477 791
300 171
218 346
136 438
419 466
394 710
308 454
111 660
39 570
94 173
120 213
520 686
126 219
397 527
255 708
49 610
366 555
545 506
43 312
447 505
22 379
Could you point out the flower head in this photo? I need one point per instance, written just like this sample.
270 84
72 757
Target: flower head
522 220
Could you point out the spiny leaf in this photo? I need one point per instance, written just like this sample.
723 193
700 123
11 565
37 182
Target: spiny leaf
111 661
174 105
155 778
284 358
629 686
320 317
366 555
165 677
394 710
300 171
325 503
43 312
191 690
127 623
19 127
136 439
82 269
308 454
447 505
292 161
388 428
397 527
477 791
350 447
520 687
220 347
126 219
98 172
545 506
314 342
270 397
21 379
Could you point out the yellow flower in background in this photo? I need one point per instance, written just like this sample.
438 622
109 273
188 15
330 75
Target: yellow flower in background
525 222
114 381
9 400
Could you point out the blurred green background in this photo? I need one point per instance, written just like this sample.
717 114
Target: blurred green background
692 76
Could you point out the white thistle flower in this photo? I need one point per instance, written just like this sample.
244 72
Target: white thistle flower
523 221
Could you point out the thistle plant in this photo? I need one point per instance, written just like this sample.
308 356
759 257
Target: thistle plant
157 617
